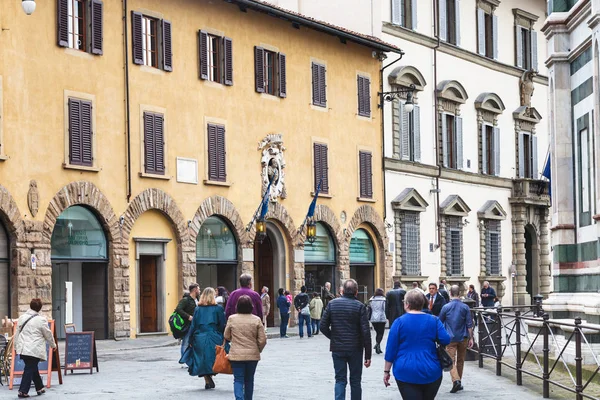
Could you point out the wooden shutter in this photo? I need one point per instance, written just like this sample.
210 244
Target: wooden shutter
367 96
495 38
417 133
459 142
484 145
203 56
369 175
282 76
259 69
519 46
315 84
404 133
228 50
444 141
521 151
366 179
213 161
221 154
443 20
149 166
75 156
497 151
62 19
167 48
318 165
97 24
457 20
362 174
86 133
534 51
396 12
322 86
534 158
159 143
136 38
481 31
361 95
321 167
413 9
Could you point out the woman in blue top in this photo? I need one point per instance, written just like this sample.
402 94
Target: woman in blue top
411 350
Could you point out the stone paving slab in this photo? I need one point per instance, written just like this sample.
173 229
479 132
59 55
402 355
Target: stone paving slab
291 368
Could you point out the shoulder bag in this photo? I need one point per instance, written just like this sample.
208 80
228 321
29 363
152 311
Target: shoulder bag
222 364
445 360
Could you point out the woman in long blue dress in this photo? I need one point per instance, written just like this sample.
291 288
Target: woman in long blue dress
206 333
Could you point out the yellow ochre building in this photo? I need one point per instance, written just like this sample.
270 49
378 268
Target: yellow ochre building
137 139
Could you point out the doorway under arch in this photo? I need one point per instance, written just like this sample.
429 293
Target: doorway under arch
5 289
270 266
532 261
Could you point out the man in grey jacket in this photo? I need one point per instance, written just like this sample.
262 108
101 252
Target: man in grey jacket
346 324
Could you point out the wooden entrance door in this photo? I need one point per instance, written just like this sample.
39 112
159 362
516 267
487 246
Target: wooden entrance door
148 294
94 299
264 265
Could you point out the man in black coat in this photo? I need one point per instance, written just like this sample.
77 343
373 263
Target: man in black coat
186 308
435 301
394 303
346 324
442 290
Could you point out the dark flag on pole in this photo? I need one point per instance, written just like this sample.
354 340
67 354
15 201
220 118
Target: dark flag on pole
548 174
313 204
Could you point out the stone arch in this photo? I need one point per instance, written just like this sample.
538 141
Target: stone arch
366 214
407 75
326 215
279 214
86 194
159 200
490 102
453 91
10 218
223 207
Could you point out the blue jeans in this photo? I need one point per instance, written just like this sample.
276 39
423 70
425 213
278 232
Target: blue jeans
31 372
185 341
316 325
243 379
341 362
284 323
301 320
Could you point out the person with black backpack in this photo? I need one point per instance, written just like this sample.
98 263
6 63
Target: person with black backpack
185 309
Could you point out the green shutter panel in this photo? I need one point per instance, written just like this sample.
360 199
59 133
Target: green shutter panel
136 38
259 69
228 47
62 19
167 47
75 156
203 57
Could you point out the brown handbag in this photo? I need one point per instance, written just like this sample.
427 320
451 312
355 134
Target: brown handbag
222 364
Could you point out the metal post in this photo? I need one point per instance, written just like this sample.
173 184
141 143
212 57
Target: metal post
480 336
546 354
518 347
578 360
498 332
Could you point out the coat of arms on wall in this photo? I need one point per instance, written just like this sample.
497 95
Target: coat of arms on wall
273 166
33 198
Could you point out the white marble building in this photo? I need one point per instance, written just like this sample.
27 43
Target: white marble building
465 199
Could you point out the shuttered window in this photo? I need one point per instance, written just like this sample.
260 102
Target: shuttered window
452 142
449 16
321 167
526 56
404 13
411 243
493 250
154 143
270 72
151 42
408 136
80 133
490 150
528 158
80 25
364 96
365 175
487 34
216 153
319 85
454 246
216 58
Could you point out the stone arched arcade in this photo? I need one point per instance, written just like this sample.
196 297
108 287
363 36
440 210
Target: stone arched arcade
10 217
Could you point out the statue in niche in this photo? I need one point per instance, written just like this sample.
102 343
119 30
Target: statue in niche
33 198
526 87
273 166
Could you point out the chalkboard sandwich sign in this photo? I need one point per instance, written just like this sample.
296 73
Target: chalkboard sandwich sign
80 351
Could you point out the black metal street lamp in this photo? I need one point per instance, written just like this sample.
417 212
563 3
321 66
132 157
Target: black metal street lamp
391 96
311 231
261 230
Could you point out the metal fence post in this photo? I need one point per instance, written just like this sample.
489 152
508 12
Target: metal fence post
480 344
498 332
518 347
546 355
578 360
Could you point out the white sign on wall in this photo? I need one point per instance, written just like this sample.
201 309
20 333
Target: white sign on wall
187 170
69 302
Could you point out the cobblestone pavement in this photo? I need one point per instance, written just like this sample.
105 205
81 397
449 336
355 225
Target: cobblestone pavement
291 368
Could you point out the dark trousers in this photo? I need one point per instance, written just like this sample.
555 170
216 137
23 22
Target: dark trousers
316 325
413 391
379 330
284 323
30 372
342 361
301 320
243 379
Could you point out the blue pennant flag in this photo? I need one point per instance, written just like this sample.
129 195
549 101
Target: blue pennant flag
313 204
265 201
548 174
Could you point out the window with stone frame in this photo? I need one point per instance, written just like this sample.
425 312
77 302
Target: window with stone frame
493 247
451 95
454 246
449 21
407 207
487 28
526 118
526 47
404 13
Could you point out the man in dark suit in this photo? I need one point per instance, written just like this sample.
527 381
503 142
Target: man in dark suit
435 301
442 290
394 303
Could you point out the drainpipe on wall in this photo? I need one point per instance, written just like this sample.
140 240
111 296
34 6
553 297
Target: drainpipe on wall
438 223
127 114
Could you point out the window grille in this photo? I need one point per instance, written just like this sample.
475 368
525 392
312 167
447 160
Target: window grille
454 248
411 244
493 251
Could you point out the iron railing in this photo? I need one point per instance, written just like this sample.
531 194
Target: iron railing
527 341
